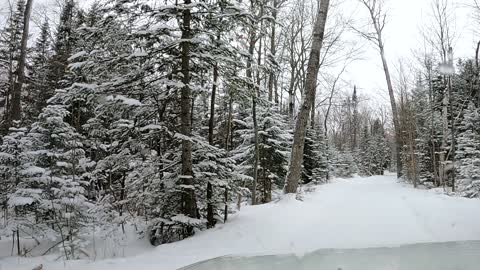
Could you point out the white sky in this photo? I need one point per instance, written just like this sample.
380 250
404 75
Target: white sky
402 37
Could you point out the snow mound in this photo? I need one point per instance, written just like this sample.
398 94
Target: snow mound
348 213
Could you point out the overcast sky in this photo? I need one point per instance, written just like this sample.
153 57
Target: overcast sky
402 37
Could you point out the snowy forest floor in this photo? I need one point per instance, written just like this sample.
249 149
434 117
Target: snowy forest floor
347 213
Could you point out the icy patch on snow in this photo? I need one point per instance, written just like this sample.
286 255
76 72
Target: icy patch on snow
430 256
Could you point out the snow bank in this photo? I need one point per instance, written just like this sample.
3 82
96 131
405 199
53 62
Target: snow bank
348 213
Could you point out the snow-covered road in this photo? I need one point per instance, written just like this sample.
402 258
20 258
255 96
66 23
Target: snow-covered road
352 213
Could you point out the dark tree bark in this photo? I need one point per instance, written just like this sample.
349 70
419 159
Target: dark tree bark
295 168
355 118
256 154
211 125
211 122
228 128
253 92
313 113
210 215
225 217
16 108
188 190
273 51
476 55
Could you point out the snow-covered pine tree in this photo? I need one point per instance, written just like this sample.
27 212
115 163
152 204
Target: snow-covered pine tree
427 121
343 164
52 187
315 158
378 149
468 153
363 155
63 46
221 58
372 157
38 79
275 138
12 162
9 55
127 85
212 165
274 142
117 88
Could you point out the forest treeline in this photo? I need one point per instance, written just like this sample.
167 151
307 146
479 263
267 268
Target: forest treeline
171 116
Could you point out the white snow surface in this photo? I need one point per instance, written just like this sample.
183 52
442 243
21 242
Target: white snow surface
347 213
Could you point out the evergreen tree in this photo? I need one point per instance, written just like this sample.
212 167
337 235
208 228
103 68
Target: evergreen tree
274 141
363 155
10 41
52 188
468 153
343 164
63 46
373 155
12 160
378 149
38 80
315 159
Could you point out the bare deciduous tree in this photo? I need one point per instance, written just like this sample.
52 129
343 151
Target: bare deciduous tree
378 18
295 168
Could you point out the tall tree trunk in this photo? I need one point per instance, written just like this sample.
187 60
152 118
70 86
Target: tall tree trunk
19 253
293 75
210 215
255 120
398 141
378 21
225 217
355 118
228 128
291 96
257 151
273 51
432 125
443 154
16 113
188 191
312 113
325 124
295 168
253 93
275 88
477 51
122 198
452 129
211 124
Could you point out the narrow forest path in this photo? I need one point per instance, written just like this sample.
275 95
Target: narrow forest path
348 213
